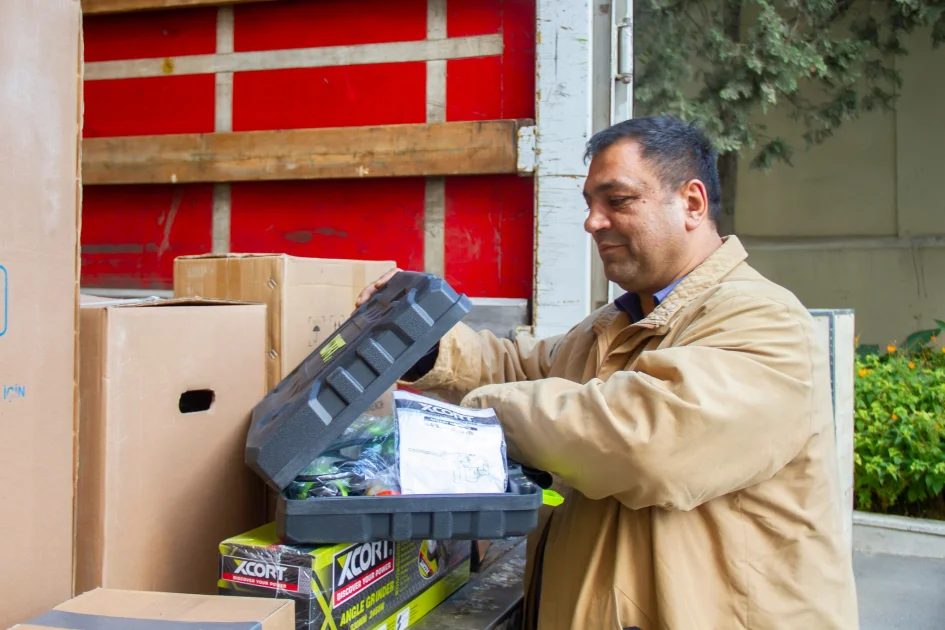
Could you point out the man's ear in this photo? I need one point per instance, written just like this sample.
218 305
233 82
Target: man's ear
696 200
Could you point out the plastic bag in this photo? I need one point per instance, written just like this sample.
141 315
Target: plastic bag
445 449
363 461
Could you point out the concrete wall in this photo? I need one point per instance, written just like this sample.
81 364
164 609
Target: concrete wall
859 222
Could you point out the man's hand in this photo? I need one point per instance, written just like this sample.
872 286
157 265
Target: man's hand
375 286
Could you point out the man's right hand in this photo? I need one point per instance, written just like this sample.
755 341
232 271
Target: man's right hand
375 286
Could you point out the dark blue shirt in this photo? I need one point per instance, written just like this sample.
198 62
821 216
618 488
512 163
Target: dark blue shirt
630 304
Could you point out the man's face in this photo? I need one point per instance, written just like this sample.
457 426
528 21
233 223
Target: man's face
639 226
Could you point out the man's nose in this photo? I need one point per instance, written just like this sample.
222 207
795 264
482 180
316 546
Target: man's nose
596 220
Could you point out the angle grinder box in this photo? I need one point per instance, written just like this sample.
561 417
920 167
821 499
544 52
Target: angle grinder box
374 585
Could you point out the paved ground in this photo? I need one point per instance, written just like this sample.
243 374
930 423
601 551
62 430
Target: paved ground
900 593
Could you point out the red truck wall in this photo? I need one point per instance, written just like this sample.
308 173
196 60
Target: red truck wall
131 234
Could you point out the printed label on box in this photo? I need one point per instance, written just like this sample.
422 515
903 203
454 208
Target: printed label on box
13 392
278 577
358 567
322 326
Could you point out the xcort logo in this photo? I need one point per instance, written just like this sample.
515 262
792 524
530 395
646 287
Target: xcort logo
265 574
362 559
427 407
360 567
261 570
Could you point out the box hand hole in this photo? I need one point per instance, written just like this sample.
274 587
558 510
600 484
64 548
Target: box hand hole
196 400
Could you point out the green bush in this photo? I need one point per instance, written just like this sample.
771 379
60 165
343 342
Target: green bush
900 427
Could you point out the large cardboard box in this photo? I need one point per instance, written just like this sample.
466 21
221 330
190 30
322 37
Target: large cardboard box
307 298
40 126
106 608
166 392
381 585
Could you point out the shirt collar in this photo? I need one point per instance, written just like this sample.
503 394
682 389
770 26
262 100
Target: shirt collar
709 273
630 304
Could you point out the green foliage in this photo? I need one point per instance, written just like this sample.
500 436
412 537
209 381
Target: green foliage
722 62
900 427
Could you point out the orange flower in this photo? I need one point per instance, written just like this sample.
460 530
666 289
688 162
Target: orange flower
911 365
895 417
864 372
856 339
890 348
934 338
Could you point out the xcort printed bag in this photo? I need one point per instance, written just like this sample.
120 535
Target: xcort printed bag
445 449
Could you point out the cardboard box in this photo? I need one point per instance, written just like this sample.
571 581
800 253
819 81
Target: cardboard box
380 585
103 608
85 298
166 392
40 127
307 298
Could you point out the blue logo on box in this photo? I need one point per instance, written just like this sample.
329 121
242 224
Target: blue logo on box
4 306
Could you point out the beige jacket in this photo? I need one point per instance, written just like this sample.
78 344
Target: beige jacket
695 450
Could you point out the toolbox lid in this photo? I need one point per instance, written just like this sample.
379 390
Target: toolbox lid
312 406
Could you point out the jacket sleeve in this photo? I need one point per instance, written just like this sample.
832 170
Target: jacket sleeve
468 360
725 408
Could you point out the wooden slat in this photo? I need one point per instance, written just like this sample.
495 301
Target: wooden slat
319 57
91 7
437 149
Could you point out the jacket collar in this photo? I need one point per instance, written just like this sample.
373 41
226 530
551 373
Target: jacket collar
630 302
709 273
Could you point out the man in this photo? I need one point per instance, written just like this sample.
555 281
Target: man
690 423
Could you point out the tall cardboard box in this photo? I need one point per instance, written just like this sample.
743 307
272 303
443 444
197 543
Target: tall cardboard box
40 125
166 392
307 298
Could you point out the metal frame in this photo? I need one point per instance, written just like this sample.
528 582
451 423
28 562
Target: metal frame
621 101
567 289
563 118
621 24
613 99
837 333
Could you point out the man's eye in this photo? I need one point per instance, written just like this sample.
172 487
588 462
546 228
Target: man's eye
616 202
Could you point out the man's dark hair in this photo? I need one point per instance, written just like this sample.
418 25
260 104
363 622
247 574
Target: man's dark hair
679 151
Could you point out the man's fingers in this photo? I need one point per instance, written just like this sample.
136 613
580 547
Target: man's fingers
371 289
386 278
365 294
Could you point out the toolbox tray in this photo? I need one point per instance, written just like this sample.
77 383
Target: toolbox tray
329 390
411 517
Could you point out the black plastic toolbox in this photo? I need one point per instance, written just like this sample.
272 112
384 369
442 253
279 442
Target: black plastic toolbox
328 391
